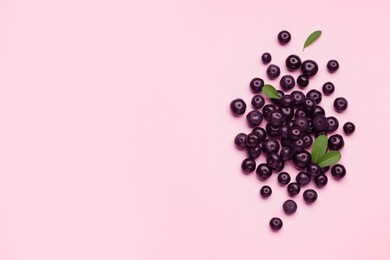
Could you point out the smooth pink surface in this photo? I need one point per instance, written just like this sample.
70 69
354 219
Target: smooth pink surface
116 136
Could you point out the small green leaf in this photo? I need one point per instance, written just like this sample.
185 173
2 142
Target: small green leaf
270 91
312 37
329 158
319 148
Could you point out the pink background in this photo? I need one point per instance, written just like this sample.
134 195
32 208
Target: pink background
116 140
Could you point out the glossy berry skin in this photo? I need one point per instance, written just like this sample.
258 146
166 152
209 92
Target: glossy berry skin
328 88
240 140
294 133
303 81
313 170
340 104
314 95
284 37
267 109
248 165
276 224
309 68
273 71
265 191
302 178
284 178
300 112
287 112
318 110
310 195
302 122
321 180
325 169
293 62
298 97
307 140
256 85
320 123
333 124
290 207
276 118
273 160
280 167
272 131
254 118
298 145
266 58
260 132
302 159
332 66
286 153
283 131
254 152
338 171
349 128
287 82
293 188
335 142
309 105
252 140
270 146
287 101
238 106
263 171
258 101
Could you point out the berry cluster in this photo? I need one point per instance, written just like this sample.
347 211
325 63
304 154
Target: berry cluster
292 123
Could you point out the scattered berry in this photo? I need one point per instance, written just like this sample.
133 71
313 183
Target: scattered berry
293 188
302 178
335 142
276 224
309 68
238 106
338 171
240 140
321 180
340 104
284 37
287 82
290 207
265 191
256 85
273 71
310 195
254 118
248 165
284 178
266 58
293 62
349 128
303 81
328 88
258 101
263 171
332 65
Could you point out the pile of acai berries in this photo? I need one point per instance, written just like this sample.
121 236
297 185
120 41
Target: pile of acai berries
293 122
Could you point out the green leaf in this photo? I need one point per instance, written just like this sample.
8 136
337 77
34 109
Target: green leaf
329 158
319 148
270 91
312 37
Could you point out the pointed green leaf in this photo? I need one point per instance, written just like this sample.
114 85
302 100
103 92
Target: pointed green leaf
270 91
319 148
312 37
329 158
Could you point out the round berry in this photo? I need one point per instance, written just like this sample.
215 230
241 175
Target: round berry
287 82
238 106
303 81
332 65
294 133
302 178
273 71
293 62
284 37
320 123
283 131
286 153
349 128
254 118
324 169
302 122
333 124
276 224
258 101
240 140
284 178
318 110
260 132
302 159
298 145
266 57
254 152
338 171
310 195
293 188
263 171
270 146
309 68
340 104
287 101
309 105
289 207
313 170
321 180
252 140
335 142
272 131
314 95
298 97
307 140
273 160
280 167
328 88
267 109
276 118
248 165
256 85
265 191
287 112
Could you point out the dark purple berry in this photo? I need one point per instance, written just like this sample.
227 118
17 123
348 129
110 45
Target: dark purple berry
298 97
300 113
276 101
293 62
287 101
303 81
294 133
318 110
309 68
248 165
313 170
332 66
276 224
302 122
254 118
302 159
286 153
309 105
240 140
252 140
276 118
320 123
321 180
284 37
340 104
283 131
302 178
260 132
314 95
338 171
272 131
280 167
263 171
287 82
265 191
284 178
333 124
258 101
273 71
256 85
310 195
267 109
290 207
324 169
349 128
328 88
287 112
293 188
238 106
266 58
307 140
270 146
254 152
273 160
298 145
335 142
